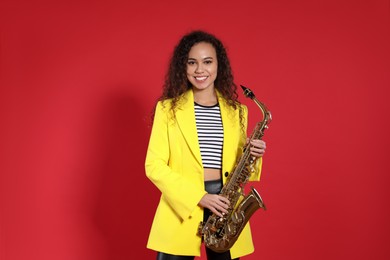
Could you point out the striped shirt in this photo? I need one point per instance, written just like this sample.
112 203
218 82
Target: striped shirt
210 135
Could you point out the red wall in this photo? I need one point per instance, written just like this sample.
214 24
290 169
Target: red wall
79 79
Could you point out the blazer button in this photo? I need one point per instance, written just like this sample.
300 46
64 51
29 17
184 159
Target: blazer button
226 174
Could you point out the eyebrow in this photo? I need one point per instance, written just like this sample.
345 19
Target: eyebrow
207 58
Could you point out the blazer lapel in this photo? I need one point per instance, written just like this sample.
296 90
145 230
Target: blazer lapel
185 116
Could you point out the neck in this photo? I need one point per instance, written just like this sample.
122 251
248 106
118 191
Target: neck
206 97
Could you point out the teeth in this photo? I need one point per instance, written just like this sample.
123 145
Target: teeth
200 78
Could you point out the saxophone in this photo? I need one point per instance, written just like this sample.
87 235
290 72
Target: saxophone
220 233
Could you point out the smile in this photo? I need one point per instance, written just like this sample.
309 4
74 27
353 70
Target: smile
203 78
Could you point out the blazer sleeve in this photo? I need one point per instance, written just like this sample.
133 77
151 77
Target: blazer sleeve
180 193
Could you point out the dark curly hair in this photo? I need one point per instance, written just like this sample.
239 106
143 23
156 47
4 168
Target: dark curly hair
176 82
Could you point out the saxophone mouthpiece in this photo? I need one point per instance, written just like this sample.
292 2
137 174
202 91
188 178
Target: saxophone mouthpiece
247 92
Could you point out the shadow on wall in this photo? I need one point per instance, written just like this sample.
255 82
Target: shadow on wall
126 199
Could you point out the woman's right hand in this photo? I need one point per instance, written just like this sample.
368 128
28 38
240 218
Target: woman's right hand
216 203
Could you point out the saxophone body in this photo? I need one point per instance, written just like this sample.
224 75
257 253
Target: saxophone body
220 233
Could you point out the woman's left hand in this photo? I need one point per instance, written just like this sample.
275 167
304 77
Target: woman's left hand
257 147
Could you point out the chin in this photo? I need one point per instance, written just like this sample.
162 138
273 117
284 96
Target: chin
200 87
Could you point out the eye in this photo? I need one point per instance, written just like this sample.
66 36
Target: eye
208 61
190 62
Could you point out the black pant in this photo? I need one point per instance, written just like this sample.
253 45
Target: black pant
212 187
211 255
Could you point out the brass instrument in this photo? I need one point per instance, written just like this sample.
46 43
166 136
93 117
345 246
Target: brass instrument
220 233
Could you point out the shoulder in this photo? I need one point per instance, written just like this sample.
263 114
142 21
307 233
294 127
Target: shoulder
171 106
177 102
164 105
161 109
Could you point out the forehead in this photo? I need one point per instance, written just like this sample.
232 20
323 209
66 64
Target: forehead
202 50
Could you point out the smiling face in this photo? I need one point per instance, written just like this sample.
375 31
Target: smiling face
202 66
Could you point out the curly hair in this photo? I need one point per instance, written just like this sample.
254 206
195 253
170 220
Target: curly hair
176 81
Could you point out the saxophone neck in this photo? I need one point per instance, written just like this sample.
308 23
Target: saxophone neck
267 117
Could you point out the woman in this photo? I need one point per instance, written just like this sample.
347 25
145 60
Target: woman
198 131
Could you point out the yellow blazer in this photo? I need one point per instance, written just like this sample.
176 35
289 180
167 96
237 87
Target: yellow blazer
174 164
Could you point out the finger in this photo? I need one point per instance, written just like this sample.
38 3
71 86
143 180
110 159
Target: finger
257 153
258 143
216 212
257 149
220 209
215 209
218 200
221 202
226 201
221 205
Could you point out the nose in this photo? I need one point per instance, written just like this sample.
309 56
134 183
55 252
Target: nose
199 68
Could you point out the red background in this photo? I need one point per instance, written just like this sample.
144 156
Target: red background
79 80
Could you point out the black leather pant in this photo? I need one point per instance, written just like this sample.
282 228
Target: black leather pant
211 255
212 187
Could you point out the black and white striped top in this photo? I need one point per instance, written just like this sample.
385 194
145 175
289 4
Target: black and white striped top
210 135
